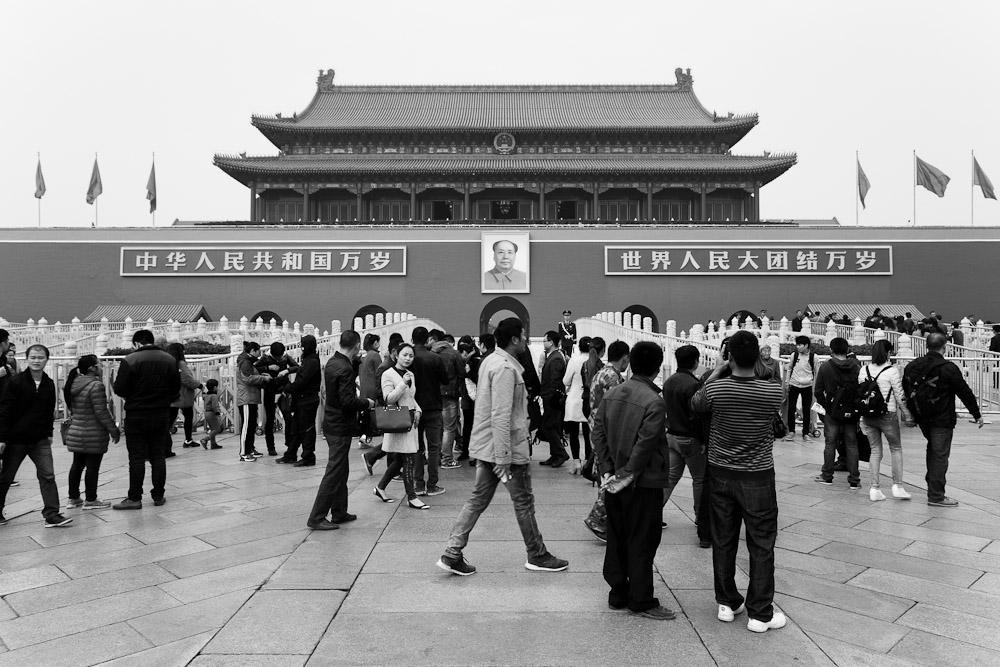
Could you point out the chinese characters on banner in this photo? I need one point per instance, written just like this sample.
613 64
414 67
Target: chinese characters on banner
763 260
263 261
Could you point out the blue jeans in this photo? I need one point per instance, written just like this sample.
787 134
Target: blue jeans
40 454
834 428
429 433
684 450
754 503
938 451
519 488
449 426
875 428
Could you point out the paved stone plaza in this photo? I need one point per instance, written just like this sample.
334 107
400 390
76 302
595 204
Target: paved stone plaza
227 574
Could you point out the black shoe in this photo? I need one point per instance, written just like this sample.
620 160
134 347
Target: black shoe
546 563
159 502
170 455
284 459
705 544
598 532
658 613
272 452
855 486
216 447
322 524
457 566
548 461
57 521
557 463
344 519
303 464
819 479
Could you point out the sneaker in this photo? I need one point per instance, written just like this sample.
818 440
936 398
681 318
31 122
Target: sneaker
433 490
128 505
657 613
57 521
15 483
256 454
190 443
420 490
248 458
944 502
598 532
789 438
457 566
875 495
451 464
899 493
806 438
547 563
777 621
854 486
819 479
727 614
72 503
96 505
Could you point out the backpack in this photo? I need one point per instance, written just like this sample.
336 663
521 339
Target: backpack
795 360
871 403
925 394
844 402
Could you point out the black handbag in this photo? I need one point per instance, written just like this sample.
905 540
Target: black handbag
780 430
392 419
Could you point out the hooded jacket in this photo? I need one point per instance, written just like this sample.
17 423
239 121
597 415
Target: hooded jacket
832 375
248 380
92 424
305 388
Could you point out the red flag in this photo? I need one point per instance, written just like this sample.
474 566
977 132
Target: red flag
151 189
864 185
39 181
96 187
931 177
979 178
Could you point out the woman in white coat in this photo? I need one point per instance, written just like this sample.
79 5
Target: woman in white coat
398 389
574 417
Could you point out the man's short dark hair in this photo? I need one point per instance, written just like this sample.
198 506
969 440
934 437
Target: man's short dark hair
419 336
936 341
909 314
277 349
250 346
4 335
646 358
687 357
550 336
803 340
37 346
449 338
996 328
617 351
466 347
143 337
508 329
436 334
488 340
840 345
349 339
744 349
956 325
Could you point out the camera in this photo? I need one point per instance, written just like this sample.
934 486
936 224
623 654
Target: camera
725 348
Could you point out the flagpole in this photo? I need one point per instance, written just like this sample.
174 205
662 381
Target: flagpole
97 204
914 188
857 195
39 199
154 169
972 191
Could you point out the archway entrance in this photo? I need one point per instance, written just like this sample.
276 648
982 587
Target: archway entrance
645 312
500 309
267 316
372 310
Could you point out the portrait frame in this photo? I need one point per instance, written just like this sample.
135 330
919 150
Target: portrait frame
490 265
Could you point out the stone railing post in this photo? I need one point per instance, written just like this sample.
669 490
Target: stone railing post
831 331
671 329
859 332
127 332
202 328
358 324
905 346
335 329
783 328
236 344
380 319
69 348
175 333
101 347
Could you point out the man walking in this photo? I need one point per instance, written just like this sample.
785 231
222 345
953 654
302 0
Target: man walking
499 444
629 442
303 392
931 384
836 391
27 407
741 467
340 424
148 380
429 374
553 394
684 434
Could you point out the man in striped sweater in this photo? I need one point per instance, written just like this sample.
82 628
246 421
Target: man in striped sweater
741 464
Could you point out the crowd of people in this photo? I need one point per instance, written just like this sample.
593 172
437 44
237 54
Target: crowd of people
487 403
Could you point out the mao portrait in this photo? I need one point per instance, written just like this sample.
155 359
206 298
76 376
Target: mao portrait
505 263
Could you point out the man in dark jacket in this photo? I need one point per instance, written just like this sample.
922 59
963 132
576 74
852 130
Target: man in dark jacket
553 393
684 434
7 370
443 345
27 407
429 374
148 380
838 379
278 365
303 392
629 440
938 425
340 424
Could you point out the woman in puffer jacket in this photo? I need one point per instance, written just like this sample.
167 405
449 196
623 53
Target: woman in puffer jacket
89 430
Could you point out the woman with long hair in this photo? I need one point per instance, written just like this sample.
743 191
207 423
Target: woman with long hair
369 383
89 430
185 401
398 389
890 384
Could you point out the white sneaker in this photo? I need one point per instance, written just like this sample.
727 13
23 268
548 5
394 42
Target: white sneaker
777 621
899 493
875 495
728 614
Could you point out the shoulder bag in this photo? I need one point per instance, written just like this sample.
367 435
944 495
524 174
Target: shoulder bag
392 419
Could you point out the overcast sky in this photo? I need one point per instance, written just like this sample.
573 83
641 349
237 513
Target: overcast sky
126 79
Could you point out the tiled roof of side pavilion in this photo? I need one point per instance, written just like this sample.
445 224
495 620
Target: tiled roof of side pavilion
504 108
616 165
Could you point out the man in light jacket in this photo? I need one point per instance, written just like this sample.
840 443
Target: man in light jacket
499 444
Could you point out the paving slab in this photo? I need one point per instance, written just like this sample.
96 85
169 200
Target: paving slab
249 661
174 654
67 552
218 582
933 650
58 595
984 561
285 633
964 627
85 648
825 568
36 577
976 603
686 567
920 534
170 625
851 536
841 624
882 606
140 554
850 655
401 557
237 554
903 564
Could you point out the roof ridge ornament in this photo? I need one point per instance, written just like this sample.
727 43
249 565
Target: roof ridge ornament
324 82
684 79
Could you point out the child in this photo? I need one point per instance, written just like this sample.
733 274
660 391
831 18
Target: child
212 414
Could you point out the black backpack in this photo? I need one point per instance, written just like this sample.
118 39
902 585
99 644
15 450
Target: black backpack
924 395
844 401
871 403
